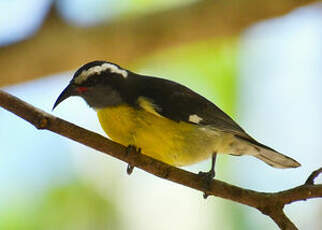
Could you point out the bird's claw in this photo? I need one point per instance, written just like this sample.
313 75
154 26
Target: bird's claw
207 178
129 149
129 169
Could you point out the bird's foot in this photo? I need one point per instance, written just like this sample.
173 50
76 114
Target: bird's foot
207 178
129 150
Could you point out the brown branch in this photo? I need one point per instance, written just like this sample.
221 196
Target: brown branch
270 204
279 217
58 47
314 175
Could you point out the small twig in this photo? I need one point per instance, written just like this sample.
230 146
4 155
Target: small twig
279 217
314 174
270 204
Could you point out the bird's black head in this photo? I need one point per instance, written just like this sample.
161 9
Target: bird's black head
98 83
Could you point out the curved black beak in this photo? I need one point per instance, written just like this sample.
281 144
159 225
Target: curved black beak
67 92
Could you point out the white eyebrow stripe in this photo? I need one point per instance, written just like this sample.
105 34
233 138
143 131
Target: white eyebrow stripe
97 70
194 118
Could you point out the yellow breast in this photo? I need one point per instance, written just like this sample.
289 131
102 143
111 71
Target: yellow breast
176 143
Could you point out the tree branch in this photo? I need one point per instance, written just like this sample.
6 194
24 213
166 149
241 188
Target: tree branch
270 204
59 46
314 175
279 217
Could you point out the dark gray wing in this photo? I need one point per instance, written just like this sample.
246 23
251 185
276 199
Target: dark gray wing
179 103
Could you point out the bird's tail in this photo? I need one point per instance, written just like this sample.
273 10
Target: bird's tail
276 159
269 155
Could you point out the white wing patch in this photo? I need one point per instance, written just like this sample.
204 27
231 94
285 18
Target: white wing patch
97 70
194 118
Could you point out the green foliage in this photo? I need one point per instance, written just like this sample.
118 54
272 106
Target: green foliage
135 7
208 67
72 206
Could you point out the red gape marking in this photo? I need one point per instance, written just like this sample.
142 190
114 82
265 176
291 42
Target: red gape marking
81 89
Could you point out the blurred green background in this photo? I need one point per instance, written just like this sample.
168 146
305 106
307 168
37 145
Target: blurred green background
266 75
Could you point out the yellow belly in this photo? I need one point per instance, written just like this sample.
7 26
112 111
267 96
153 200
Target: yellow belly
175 143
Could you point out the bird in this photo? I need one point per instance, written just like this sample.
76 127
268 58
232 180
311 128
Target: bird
163 119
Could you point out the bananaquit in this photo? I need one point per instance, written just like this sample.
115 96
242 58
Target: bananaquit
165 120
